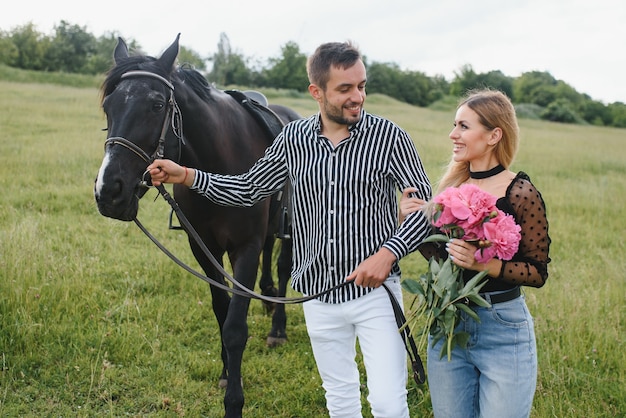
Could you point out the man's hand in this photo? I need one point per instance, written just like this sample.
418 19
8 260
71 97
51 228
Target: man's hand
167 171
374 270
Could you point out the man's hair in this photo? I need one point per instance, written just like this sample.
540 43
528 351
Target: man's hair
332 54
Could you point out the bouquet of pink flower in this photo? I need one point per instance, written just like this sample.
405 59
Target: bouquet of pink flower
467 213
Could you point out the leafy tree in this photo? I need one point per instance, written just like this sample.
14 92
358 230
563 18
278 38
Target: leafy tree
101 59
412 87
534 87
289 70
384 78
561 110
618 114
70 48
595 112
464 79
228 67
188 56
497 80
30 45
439 90
8 50
419 90
467 79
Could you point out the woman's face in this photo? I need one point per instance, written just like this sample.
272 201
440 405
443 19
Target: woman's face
472 142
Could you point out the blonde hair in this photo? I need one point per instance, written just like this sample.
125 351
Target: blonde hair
494 110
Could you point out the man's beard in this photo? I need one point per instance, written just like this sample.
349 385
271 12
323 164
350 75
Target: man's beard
335 114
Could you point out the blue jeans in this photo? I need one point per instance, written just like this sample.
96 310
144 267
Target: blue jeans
496 375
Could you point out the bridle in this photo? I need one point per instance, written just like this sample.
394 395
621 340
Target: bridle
174 114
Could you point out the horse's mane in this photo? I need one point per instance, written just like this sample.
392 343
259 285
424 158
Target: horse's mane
183 74
195 80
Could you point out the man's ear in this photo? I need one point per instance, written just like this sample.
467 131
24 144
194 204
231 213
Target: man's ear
315 92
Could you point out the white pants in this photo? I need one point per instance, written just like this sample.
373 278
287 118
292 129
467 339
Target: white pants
333 330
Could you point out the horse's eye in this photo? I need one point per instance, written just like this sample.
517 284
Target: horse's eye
158 106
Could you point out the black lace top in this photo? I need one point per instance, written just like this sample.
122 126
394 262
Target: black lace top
529 266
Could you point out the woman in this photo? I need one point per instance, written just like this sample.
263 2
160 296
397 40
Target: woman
495 375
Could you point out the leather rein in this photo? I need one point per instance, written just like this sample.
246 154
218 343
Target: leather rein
174 115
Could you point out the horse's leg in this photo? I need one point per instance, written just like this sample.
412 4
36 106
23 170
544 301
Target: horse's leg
267 282
245 264
221 304
220 301
278 334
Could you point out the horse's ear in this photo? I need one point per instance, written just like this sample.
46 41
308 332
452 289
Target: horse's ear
167 59
121 50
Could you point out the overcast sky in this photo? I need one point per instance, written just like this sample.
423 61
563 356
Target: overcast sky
582 42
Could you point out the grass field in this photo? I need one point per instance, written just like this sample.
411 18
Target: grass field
95 321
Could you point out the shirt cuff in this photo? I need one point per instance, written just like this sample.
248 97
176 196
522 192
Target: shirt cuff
397 247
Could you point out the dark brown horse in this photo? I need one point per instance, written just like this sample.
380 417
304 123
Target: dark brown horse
157 109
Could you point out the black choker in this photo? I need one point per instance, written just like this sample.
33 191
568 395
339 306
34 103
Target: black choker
489 173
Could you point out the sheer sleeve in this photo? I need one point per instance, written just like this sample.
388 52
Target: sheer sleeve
529 267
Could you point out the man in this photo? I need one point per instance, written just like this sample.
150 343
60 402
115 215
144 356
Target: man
345 166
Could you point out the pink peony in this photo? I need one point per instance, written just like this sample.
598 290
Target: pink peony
466 207
469 213
504 235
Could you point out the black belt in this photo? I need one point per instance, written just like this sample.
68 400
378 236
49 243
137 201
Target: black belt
501 297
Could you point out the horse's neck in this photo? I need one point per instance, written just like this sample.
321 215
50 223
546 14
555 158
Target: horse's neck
220 135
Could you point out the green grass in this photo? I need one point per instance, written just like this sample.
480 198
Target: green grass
95 321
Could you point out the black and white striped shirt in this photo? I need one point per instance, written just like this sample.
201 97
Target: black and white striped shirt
344 198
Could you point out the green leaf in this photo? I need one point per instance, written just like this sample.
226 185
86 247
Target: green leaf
461 339
446 272
413 286
434 266
437 238
436 338
473 283
478 300
445 301
443 350
449 319
462 306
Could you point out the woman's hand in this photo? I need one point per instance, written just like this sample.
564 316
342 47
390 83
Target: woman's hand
462 254
167 171
408 204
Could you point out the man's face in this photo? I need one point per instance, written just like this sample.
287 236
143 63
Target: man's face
342 100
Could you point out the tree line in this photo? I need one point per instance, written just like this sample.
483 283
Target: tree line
536 94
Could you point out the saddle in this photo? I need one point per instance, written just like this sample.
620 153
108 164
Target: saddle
265 117
257 105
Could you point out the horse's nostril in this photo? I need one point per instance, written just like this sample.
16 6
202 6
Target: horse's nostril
116 191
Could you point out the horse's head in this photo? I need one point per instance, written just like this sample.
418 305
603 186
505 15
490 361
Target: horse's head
138 100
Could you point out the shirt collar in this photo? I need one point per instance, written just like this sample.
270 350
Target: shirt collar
360 125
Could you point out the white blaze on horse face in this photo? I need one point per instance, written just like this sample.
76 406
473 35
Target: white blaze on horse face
100 178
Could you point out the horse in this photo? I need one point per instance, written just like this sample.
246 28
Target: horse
154 106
